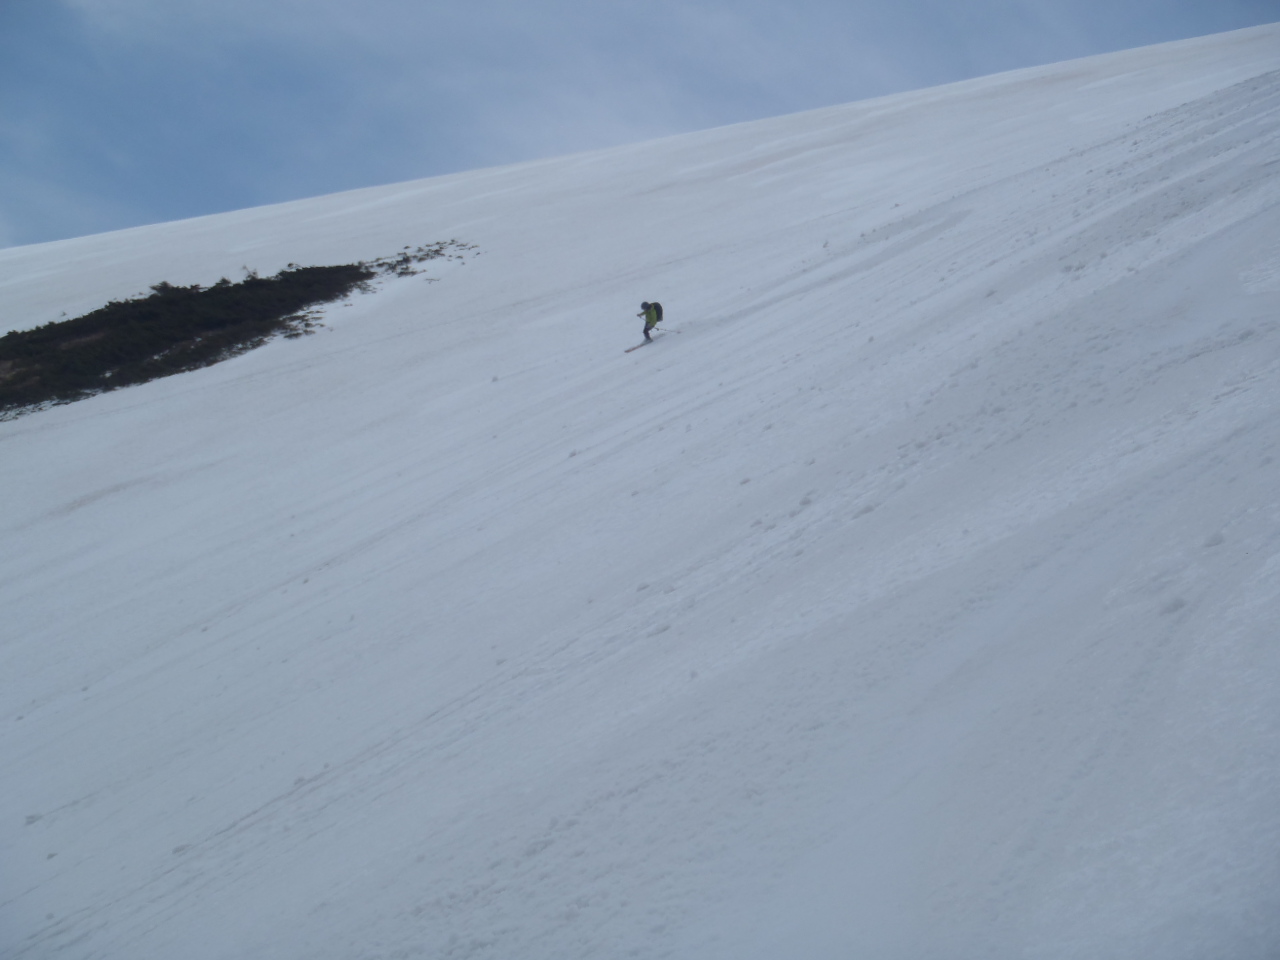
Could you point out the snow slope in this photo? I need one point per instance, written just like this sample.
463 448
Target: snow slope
917 599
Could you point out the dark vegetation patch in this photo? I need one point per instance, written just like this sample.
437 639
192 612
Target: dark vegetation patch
176 329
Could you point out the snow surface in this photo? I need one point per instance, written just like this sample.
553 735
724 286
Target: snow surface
918 598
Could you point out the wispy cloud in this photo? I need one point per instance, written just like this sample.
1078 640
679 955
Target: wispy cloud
169 108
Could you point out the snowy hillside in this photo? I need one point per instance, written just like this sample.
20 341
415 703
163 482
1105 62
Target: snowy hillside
914 596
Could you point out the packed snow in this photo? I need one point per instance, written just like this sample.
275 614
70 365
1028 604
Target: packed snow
914 595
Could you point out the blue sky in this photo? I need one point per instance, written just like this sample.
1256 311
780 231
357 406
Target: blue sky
120 112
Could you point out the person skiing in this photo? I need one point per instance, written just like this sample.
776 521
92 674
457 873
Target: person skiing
652 313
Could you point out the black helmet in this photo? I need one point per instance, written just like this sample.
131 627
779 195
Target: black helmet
645 305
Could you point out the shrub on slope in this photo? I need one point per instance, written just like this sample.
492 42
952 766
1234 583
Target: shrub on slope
176 329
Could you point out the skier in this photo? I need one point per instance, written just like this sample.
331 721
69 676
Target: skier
652 313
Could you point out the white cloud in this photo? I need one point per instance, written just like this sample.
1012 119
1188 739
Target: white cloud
173 107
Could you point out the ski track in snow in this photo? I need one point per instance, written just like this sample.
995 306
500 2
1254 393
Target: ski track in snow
918 600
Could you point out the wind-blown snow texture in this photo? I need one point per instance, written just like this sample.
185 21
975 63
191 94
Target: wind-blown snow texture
919 599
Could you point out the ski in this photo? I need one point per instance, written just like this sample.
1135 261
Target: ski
656 335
